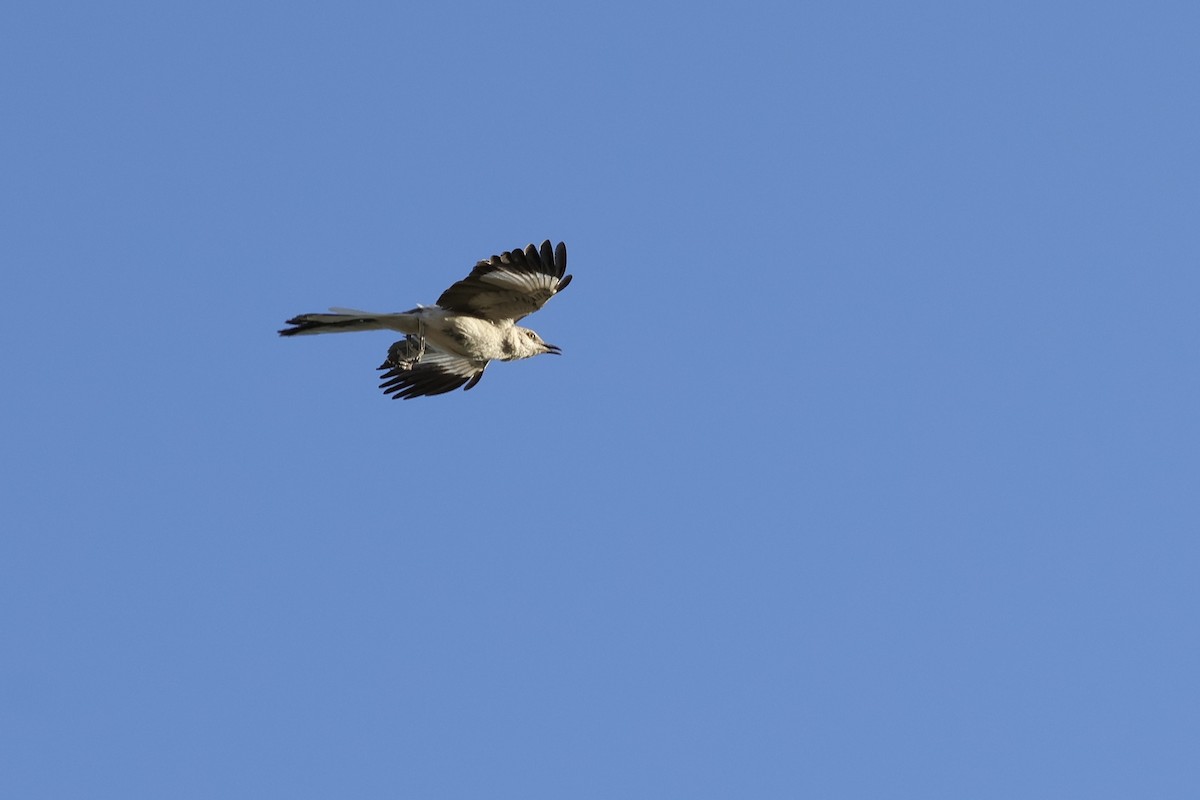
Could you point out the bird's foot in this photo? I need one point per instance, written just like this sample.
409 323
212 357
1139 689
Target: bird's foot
406 353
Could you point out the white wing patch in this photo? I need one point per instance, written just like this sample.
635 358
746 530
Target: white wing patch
528 282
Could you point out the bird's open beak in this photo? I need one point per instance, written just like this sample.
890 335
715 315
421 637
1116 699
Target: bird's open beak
555 349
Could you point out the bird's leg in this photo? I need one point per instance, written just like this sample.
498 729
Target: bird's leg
420 341
406 353
414 347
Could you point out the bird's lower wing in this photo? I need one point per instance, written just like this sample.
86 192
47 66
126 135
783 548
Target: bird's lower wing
436 372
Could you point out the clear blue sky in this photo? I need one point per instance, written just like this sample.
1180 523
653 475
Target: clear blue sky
871 468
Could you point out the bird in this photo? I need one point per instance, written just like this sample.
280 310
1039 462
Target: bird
474 322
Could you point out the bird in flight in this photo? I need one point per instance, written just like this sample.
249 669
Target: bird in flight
474 322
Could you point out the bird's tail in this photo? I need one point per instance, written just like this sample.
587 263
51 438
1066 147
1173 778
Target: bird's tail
346 320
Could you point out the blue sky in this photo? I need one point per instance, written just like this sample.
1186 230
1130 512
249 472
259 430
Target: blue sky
870 468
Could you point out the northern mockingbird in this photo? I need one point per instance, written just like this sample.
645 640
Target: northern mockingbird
474 322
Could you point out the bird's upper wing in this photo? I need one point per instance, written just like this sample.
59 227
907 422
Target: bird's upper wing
510 285
437 372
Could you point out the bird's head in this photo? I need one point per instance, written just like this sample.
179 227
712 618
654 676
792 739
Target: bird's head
528 344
